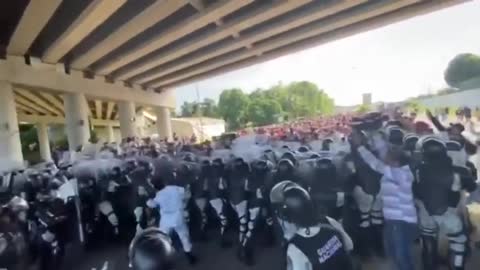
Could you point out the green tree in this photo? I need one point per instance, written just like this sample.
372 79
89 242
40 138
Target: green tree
232 107
414 105
364 108
306 99
462 68
187 109
263 111
209 108
264 106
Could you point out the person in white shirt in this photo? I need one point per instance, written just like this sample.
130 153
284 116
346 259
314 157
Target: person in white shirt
170 201
400 225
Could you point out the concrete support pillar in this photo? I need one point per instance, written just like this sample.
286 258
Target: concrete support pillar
76 119
126 115
10 146
43 141
164 124
141 124
110 134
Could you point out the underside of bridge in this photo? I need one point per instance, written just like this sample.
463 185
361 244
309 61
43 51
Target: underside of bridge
160 44
104 59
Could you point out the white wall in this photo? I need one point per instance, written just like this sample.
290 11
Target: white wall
102 134
469 98
57 132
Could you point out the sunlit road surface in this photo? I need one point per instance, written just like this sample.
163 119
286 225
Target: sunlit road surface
213 258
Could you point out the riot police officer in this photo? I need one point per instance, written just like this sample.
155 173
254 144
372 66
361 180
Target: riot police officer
216 193
314 242
437 188
237 194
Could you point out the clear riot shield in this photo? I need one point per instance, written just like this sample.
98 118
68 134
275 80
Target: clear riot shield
69 190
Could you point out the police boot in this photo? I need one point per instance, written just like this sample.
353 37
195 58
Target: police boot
269 236
224 242
242 253
363 248
429 252
203 236
377 240
192 259
456 261
249 258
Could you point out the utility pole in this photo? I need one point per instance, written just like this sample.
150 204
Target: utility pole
199 112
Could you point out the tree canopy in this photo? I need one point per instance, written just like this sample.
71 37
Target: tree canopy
364 108
263 106
232 107
462 68
263 111
207 108
267 106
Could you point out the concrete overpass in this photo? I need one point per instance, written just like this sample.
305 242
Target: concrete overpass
104 60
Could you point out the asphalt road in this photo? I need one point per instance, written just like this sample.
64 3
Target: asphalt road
212 257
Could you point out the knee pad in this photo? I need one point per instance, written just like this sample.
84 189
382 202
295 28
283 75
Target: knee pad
377 217
241 208
269 221
253 213
113 218
48 237
428 232
105 207
217 204
364 219
138 212
201 204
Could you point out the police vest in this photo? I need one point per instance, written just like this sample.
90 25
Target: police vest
325 250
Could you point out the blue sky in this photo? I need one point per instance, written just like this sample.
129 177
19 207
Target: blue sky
393 63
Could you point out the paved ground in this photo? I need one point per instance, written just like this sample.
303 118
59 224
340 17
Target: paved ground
213 258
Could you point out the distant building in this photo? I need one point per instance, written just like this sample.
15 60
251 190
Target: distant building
367 98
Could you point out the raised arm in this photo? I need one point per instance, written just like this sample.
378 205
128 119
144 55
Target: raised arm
435 121
372 161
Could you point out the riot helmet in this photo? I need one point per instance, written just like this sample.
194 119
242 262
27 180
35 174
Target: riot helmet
218 162
326 144
131 164
240 167
293 204
205 168
456 153
290 156
303 149
116 172
433 150
147 167
410 142
285 165
151 250
189 157
395 135
260 165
